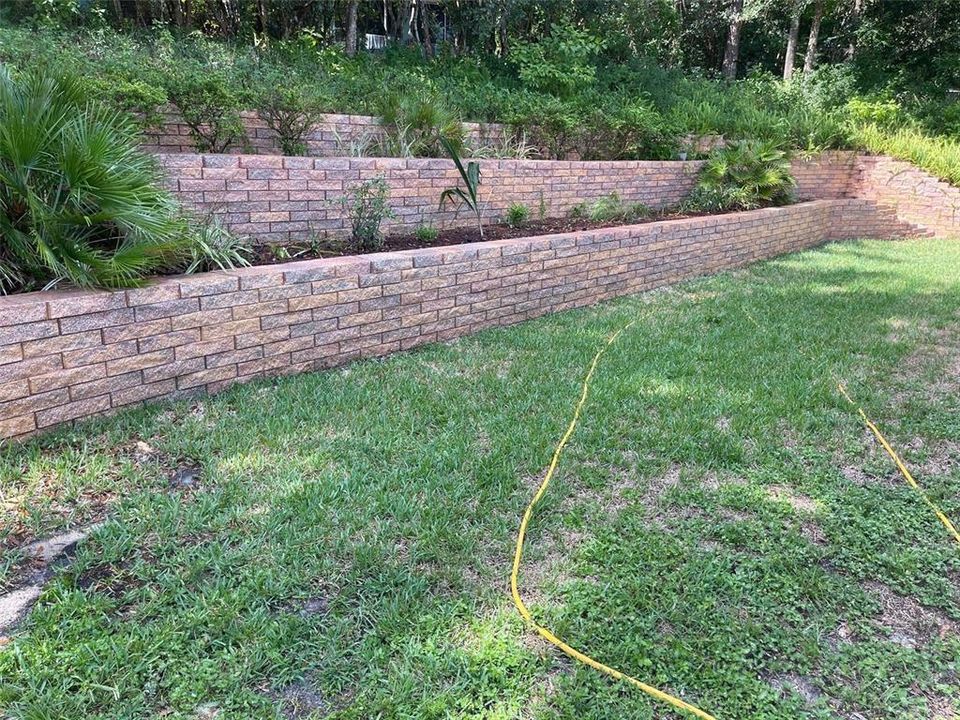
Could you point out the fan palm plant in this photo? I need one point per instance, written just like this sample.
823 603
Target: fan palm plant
745 175
78 200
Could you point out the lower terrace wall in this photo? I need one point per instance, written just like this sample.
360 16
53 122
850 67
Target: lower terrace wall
71 355
282 199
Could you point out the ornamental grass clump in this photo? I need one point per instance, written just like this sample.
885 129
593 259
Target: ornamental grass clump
79 202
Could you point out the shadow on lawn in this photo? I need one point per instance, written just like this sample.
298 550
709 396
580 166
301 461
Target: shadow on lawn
389 492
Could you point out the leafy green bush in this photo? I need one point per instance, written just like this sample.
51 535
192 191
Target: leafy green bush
210 106
743 176
625 129
426 233
290 106
368 205
560 63
78 200
884 113
517 214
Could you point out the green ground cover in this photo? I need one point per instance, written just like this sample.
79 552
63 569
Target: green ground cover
721 524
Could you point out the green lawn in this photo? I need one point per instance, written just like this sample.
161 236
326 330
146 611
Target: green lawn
722 525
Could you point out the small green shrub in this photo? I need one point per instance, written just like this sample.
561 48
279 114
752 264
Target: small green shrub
517 214
78 200
426 233
745 175
212 247
368 205
138 97
579 211
290 107
884 113
611 208
210 107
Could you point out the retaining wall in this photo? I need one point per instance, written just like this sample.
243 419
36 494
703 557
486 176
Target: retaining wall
333 135
282 199
916 196
69 355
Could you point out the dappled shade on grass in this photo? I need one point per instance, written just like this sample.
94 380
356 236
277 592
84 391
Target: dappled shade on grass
718 527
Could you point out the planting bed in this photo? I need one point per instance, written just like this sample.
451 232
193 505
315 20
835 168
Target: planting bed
267 254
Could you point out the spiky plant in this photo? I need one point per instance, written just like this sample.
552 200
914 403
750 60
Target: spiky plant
749 174
471 179
78 200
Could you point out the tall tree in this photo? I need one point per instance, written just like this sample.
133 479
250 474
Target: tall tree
425 36
810 58
856 17
790 56
352 27
731 54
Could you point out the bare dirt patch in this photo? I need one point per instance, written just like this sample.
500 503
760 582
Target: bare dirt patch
798 501
789 684
299 700
907 622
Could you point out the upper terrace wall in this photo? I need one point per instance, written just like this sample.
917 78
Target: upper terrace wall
333 135
274 198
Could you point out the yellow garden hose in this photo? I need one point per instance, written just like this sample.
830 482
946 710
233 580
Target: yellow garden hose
518 556
901 466
581 657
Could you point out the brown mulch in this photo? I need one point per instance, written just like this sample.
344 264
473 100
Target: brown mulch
267 253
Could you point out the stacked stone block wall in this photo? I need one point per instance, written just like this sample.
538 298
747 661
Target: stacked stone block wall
916 196
283 199
333 135
71 355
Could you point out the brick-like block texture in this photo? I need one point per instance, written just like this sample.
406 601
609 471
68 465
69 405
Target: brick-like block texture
278 199
282 199
69 355
915 196
333 135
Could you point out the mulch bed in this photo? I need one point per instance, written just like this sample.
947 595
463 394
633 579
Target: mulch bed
270 254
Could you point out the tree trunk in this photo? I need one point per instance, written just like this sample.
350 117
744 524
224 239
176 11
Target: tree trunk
811 57
791 54
856 16
352 27
732 53
260 26
425 37
177 12
407 12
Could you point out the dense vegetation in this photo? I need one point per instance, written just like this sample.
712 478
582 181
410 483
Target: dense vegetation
594 79
78 200
611 79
